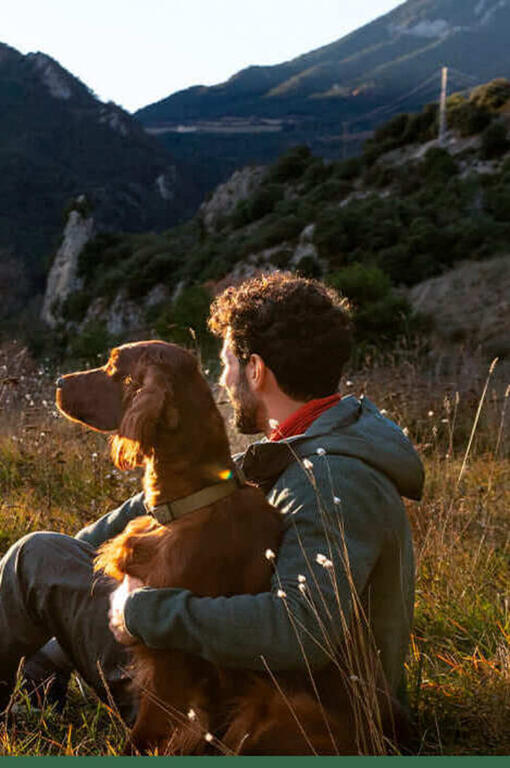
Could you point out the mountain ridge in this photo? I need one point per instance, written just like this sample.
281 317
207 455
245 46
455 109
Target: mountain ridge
394 58
57 142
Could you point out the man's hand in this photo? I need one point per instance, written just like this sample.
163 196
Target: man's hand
118 599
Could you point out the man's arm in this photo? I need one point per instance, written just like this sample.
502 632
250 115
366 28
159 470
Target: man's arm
113 522
334 545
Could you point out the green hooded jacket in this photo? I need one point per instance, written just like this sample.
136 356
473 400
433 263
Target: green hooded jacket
339 487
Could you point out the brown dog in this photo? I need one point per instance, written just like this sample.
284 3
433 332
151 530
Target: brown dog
153 396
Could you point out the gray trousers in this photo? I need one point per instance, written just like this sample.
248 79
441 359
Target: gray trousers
48 589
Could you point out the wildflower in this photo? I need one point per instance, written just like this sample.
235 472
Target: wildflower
273 423
44 403
307 464
192 715
348 383
430 414
384 411
209 737
269 554
337 501
406 431
355 679
301 578
281 593
302 588
94 456
321 559
320 452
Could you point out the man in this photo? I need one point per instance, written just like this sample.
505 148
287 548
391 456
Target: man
334 467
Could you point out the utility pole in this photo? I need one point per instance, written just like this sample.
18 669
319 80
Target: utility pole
442 106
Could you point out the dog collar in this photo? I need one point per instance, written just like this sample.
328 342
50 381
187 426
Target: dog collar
167 513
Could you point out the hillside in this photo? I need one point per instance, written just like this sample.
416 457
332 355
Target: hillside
381 68
58 141
407 211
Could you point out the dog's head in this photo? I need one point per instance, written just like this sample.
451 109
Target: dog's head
150 393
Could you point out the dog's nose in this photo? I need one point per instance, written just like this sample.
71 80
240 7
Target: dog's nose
59 382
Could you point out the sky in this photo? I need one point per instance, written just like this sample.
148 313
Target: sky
135 52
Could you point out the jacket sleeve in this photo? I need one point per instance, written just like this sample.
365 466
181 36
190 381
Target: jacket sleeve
331 543
113 522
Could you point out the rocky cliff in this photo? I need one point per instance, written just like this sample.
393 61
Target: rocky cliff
63 276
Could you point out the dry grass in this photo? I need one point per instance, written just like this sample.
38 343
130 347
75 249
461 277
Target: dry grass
55 475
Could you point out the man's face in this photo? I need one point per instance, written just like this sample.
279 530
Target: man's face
234 381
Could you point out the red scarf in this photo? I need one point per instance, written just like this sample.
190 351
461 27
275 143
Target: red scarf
299 421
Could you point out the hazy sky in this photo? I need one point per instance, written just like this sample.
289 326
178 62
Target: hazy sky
135 52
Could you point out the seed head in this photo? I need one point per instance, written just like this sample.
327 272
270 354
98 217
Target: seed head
307 464
320 452
281 593
269 554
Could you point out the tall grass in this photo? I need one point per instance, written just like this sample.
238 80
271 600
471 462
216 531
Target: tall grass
55 475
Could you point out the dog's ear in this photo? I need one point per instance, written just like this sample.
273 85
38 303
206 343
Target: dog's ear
151 405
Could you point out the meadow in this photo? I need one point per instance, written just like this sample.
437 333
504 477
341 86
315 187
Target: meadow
54 475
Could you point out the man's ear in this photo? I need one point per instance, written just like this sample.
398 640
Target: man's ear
256 372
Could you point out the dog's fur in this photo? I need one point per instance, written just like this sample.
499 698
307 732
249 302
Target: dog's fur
152 395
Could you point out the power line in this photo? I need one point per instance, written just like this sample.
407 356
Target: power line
429 82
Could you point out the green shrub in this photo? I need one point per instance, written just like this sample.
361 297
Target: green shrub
497 202
438 165
292 165
276 231
185 320
264 200
332 189
75 306
280 258
309 267
494 141
316 173
468 118
380 315
492 95
94 340
348 169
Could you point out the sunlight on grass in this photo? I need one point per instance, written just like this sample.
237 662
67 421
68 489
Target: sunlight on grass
55 475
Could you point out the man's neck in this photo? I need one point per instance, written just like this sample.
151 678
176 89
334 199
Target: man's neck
278 410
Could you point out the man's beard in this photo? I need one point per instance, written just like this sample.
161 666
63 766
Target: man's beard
245 407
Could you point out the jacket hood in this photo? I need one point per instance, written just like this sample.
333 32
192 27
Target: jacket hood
354 428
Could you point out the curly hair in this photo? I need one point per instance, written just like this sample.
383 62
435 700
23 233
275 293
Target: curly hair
300 327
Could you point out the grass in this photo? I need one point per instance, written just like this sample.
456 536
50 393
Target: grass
55 475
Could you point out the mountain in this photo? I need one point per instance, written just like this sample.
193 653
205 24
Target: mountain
390 224
57 142
390 65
